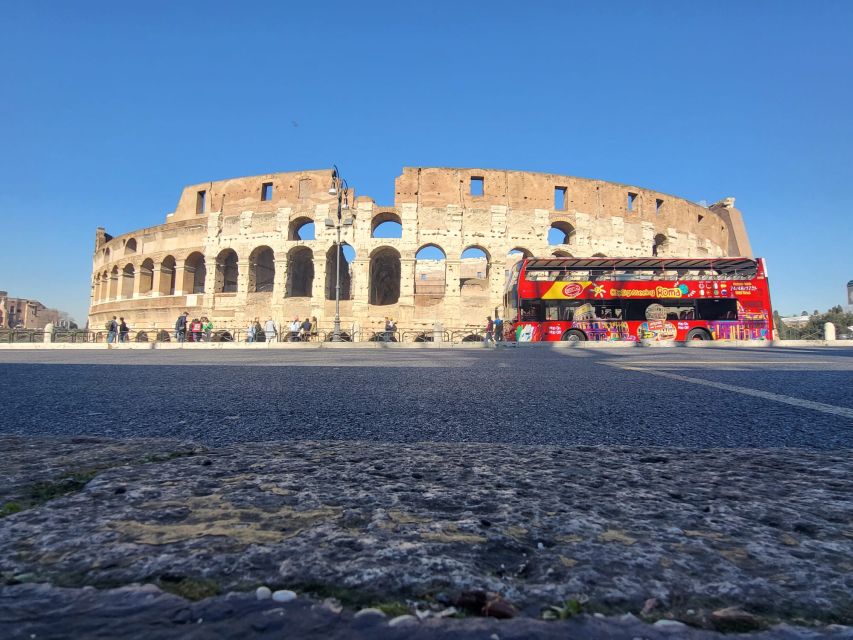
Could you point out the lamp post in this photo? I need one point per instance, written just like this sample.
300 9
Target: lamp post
340 189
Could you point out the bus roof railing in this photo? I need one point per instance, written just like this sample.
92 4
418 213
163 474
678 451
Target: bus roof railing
724 266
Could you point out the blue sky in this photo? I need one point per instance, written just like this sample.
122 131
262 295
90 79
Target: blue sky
107 109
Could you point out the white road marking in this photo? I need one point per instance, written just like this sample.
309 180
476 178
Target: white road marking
766 395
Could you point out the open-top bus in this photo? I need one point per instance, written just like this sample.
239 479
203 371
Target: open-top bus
629 299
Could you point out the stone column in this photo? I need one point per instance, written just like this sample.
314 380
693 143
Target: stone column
452 296
361 286
179 279
242 282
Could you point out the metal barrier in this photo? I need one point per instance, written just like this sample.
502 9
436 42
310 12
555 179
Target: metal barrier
22 335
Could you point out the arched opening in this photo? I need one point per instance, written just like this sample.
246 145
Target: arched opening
598 255
386 225
195 272
347 256
227 272
261 270
301 228
561 232
113 290
105 286
561 254
514 255
659 246
130 247
107 254
127 275
474 271
384 276
430 271
300 273
146 276
167 276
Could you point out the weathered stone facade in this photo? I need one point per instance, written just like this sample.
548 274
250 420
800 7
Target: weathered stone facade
232 250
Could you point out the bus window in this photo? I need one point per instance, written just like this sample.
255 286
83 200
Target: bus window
611 310
672 309
531 310
717 309
552 310
567 309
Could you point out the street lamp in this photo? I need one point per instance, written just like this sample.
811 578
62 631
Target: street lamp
340 189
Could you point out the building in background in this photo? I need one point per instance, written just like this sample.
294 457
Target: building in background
261 246
22 313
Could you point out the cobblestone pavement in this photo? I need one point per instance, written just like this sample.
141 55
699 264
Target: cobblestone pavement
654 397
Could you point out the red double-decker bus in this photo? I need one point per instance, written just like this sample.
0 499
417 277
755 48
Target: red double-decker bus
629 299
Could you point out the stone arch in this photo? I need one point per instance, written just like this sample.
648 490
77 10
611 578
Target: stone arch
383 218
659 245
227 272
385 271
598 255
298 228
430 271
561 254
514 255
195 273
300 273
128 273
146 276
331 272
105 286
167 276
561 232
112 292
474 270
261 270
130 247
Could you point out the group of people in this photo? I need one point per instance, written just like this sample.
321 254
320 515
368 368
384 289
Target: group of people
195 330
299 331
117 330
494 331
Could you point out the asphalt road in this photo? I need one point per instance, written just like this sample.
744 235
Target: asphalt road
656 397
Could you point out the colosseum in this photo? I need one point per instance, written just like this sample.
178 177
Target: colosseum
265 246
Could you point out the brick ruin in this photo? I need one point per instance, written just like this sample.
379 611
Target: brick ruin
238 249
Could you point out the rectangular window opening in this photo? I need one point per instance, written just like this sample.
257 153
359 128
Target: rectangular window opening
632 198
266 191
476 186
658 205
201 202
559 198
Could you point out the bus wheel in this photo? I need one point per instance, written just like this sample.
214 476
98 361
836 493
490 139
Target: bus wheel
698 334
573 335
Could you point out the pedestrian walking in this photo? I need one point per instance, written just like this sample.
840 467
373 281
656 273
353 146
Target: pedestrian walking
112 330
181 327
490 329
269 330
123 330
250 331
499 330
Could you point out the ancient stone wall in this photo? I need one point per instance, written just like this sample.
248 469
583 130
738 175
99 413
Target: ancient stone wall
238 249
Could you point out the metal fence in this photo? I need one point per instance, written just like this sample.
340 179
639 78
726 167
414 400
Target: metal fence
231 334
